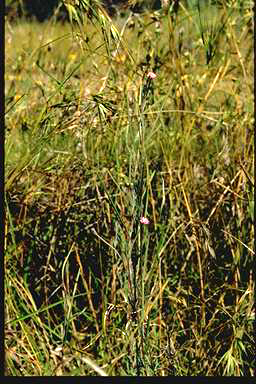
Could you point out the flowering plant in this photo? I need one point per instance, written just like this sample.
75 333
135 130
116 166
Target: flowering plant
144 220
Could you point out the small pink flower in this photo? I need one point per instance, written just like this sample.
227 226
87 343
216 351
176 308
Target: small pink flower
151 75
165 3
144 220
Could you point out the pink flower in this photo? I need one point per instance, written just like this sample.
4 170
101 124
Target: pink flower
144 220
165 3
151 75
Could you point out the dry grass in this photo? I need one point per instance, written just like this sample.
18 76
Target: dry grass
92 145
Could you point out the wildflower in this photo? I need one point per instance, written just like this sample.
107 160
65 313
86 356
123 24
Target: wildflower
144 220
165 3
72 56
151 75
119 56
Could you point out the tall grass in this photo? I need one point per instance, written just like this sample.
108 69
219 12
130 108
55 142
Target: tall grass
94 146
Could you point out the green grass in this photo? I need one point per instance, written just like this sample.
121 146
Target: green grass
92 145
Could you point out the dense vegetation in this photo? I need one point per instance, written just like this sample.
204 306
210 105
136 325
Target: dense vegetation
41 10
110 123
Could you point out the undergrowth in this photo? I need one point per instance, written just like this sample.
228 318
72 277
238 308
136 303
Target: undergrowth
129 192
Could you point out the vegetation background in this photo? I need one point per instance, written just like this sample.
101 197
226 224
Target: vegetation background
94 142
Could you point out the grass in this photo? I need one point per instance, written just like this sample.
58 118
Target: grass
92 146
